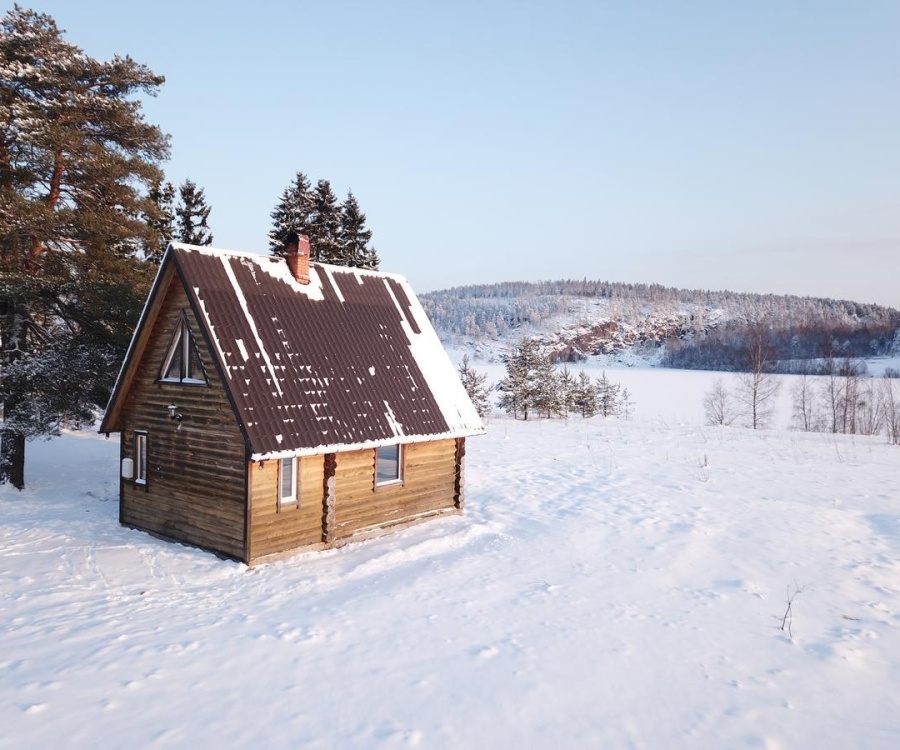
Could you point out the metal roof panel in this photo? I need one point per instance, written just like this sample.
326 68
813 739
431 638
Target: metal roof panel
349 360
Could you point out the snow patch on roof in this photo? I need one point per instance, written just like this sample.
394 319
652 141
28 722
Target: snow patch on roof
394 424
242 349
226 264
277 268
329 272
428 351
360 274
214 252
406 326
273 265
212 332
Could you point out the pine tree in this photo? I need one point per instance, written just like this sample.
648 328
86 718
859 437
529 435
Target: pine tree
476 386
354 236
192 215
76 160
324 229
292 214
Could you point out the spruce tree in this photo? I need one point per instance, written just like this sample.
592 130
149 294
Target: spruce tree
626 404
585 395
355 237
192 215
514 388
292 214
337 232
325 228
476 386
76 162
607 396
546 386
529 383
565 392
161 219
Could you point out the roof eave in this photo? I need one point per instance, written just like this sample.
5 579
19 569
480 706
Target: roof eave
211 347
109 423
365 445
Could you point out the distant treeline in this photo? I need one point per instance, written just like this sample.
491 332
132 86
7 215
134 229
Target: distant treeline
727 347
712 326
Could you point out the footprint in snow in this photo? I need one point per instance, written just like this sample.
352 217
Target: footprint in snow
486 652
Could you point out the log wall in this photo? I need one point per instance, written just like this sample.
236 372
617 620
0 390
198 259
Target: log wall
196 475
277 529
338 497
429 473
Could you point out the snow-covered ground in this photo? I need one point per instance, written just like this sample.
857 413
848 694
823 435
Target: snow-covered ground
611 584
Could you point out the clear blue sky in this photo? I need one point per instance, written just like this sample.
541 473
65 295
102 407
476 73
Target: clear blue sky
749 146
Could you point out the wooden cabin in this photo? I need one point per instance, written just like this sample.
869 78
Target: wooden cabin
268 403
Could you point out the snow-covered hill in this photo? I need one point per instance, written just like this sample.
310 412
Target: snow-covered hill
632 323
611 584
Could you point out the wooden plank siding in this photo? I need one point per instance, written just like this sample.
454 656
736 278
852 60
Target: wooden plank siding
276 529
335 508
459 479
196 473
428 487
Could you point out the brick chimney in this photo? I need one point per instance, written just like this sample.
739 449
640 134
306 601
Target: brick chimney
296 251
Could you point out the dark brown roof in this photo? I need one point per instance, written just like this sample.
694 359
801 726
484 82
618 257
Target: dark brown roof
347 360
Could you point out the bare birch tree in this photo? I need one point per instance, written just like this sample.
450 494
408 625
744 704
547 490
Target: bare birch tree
717 405
758 387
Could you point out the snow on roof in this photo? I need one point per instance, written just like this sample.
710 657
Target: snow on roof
348 360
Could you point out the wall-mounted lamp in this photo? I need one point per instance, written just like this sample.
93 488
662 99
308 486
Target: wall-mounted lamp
173 414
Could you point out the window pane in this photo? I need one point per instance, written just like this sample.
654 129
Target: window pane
174 370
287 479
140 457
387 464
183 363
195 368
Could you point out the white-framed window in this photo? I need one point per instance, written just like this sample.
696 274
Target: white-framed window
140 457
182 363
388 465
288 483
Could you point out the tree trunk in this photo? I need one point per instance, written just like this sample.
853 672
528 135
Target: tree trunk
12 459
12 445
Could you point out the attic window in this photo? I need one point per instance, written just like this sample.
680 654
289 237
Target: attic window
182 363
